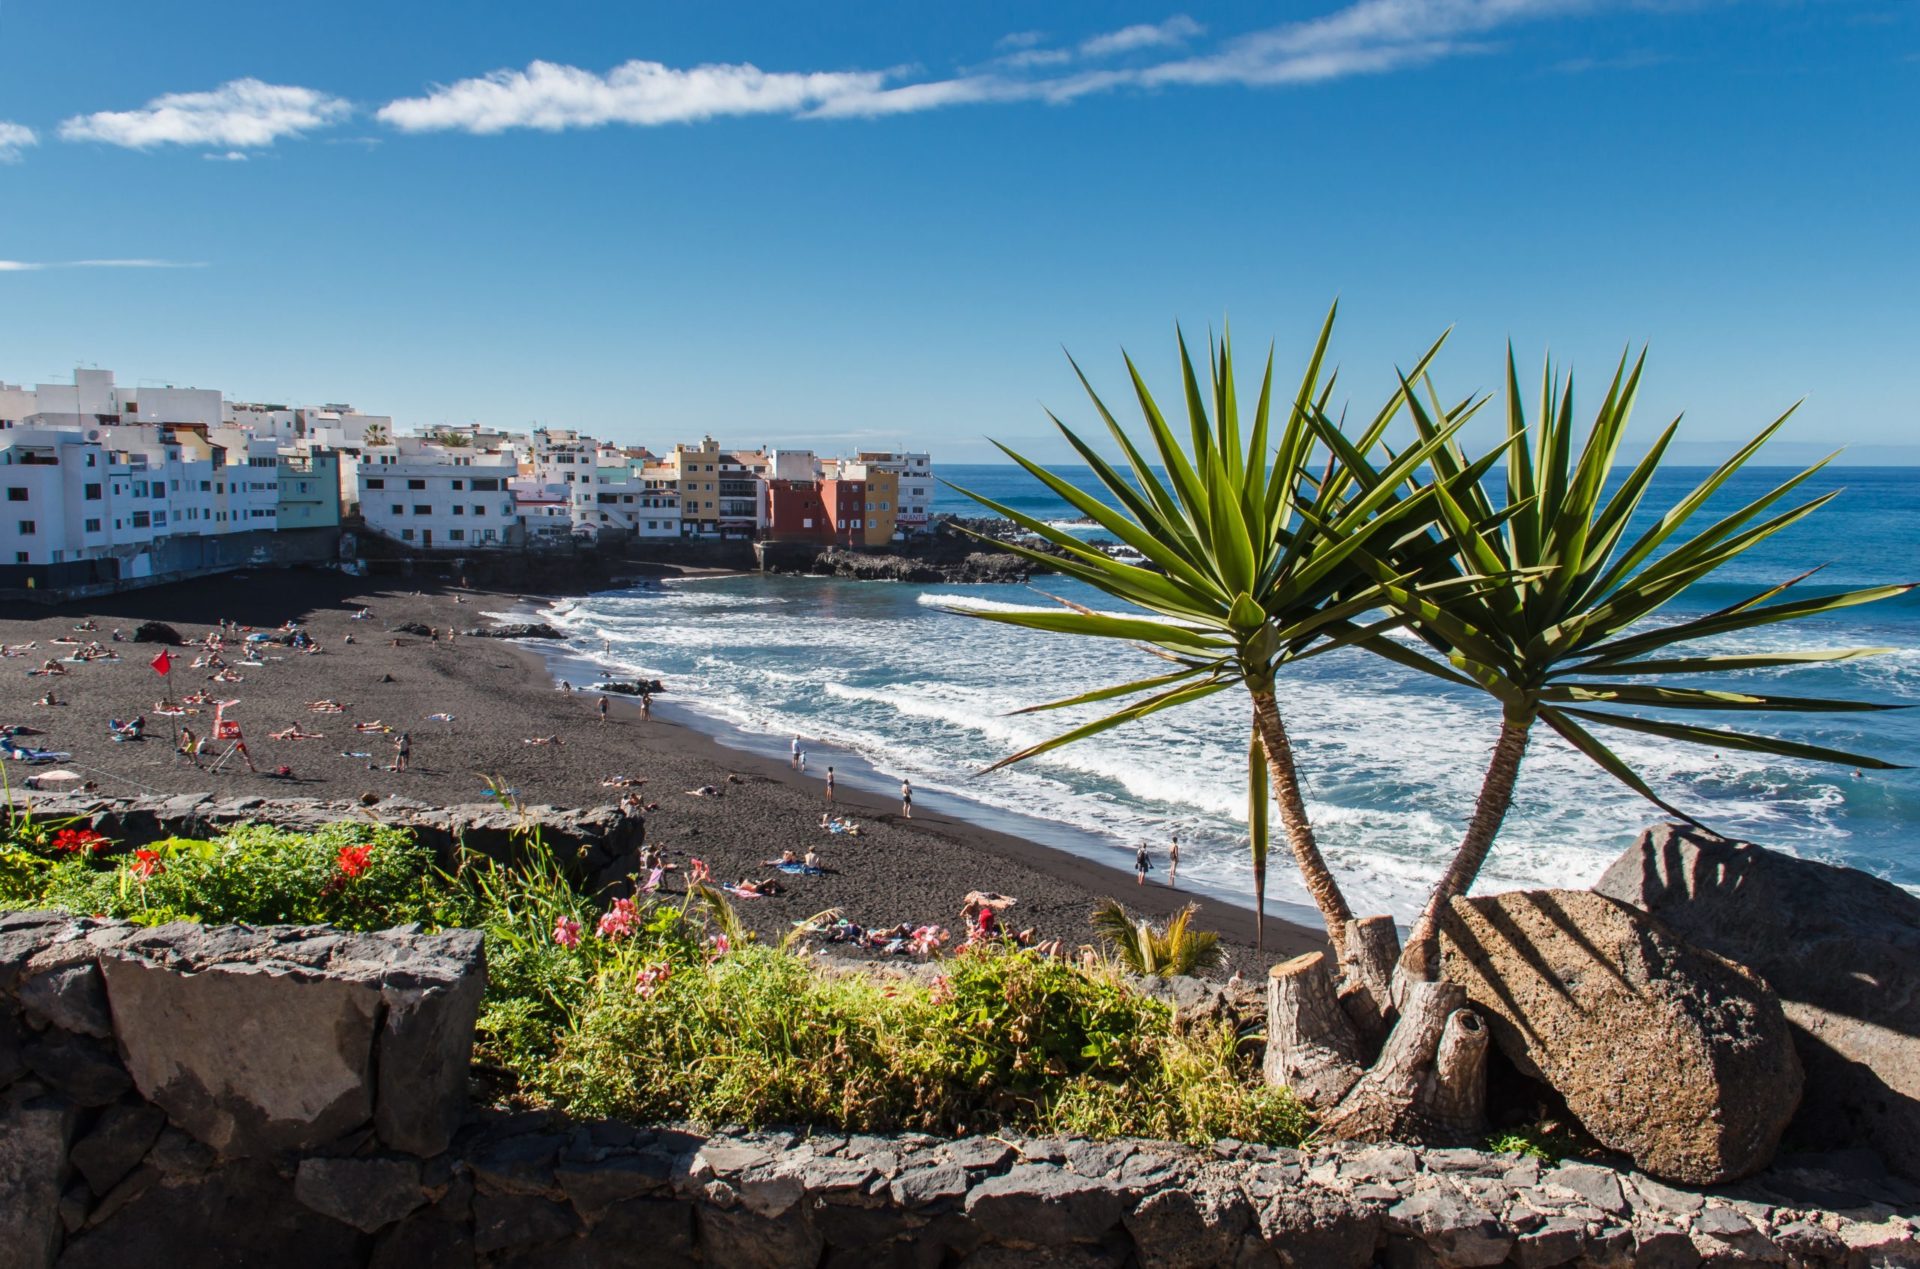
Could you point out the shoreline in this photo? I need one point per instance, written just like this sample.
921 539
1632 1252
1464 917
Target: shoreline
502 694
855 771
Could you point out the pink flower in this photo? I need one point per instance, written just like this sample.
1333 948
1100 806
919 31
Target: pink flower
619 920
721 945
651 979
566 932
941 991
926 940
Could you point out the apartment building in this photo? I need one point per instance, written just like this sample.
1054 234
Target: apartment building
440 499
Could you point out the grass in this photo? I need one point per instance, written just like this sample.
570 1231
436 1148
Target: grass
667 1010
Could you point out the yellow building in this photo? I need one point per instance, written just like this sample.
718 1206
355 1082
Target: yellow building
882 497
696 474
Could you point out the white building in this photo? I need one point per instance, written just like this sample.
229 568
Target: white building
436 498
916 485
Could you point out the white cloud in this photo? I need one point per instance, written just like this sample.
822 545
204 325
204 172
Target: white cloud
34 266
231 156
243 114
1364 37
1020 39
15 137
551 97
1177 29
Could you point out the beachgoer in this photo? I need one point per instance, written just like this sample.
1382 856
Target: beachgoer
603 711
796 753
803 760
829 784
565 686
402 751
1173 860
906 799
812 859
1140 865
646 706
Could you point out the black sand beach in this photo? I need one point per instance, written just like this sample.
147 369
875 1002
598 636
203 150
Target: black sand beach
500 695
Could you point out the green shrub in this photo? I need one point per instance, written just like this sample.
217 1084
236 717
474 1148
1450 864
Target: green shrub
667 1009
357 876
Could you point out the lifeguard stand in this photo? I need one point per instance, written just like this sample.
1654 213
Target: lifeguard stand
228 730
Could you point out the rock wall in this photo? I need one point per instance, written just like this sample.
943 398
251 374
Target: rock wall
599 841
298 1096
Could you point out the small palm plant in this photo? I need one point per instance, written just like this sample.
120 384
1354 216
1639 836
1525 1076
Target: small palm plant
1251 564
1176 948
1566 640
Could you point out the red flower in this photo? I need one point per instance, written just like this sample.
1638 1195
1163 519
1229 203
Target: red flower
79 841
353 860
146 863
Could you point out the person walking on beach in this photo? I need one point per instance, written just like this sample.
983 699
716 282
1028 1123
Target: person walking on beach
796 751
906 799
1140 865
829 785
1173 860
646 705
402 751
603 711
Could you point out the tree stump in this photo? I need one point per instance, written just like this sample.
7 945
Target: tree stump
1427 1081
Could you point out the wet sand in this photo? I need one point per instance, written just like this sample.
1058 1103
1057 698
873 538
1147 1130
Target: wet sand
500 694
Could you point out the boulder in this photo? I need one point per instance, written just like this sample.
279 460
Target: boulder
1674 1056
1840 948
242 1214
286 1038
368 1194
1036 1205
157 632
514 630
118 1141
35 1130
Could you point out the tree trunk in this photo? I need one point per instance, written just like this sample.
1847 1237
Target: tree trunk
1311 1047
1420 961
1428 1083
1293 818
1372 948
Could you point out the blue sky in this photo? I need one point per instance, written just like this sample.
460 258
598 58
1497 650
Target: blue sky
874 223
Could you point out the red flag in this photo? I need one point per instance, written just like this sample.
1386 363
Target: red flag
163 663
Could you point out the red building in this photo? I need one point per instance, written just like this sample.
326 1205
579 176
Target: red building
831 512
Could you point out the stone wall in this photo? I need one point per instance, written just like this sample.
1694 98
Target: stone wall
298 1096
599 841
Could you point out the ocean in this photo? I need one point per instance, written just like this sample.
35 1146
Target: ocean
894 681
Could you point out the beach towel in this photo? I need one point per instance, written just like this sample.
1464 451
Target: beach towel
439 718
801 870
20 754
653 880
344 753
738 893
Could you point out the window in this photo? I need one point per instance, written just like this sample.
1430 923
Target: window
26 528
459 484
406 535
93 493
486 535
489 485
19 557
142 520
883 505
422 509
459 509
456 535
159 492
16 493
92 526
399 510
205 486
416 484
479 510
806 522
159 519
506 509
376 482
